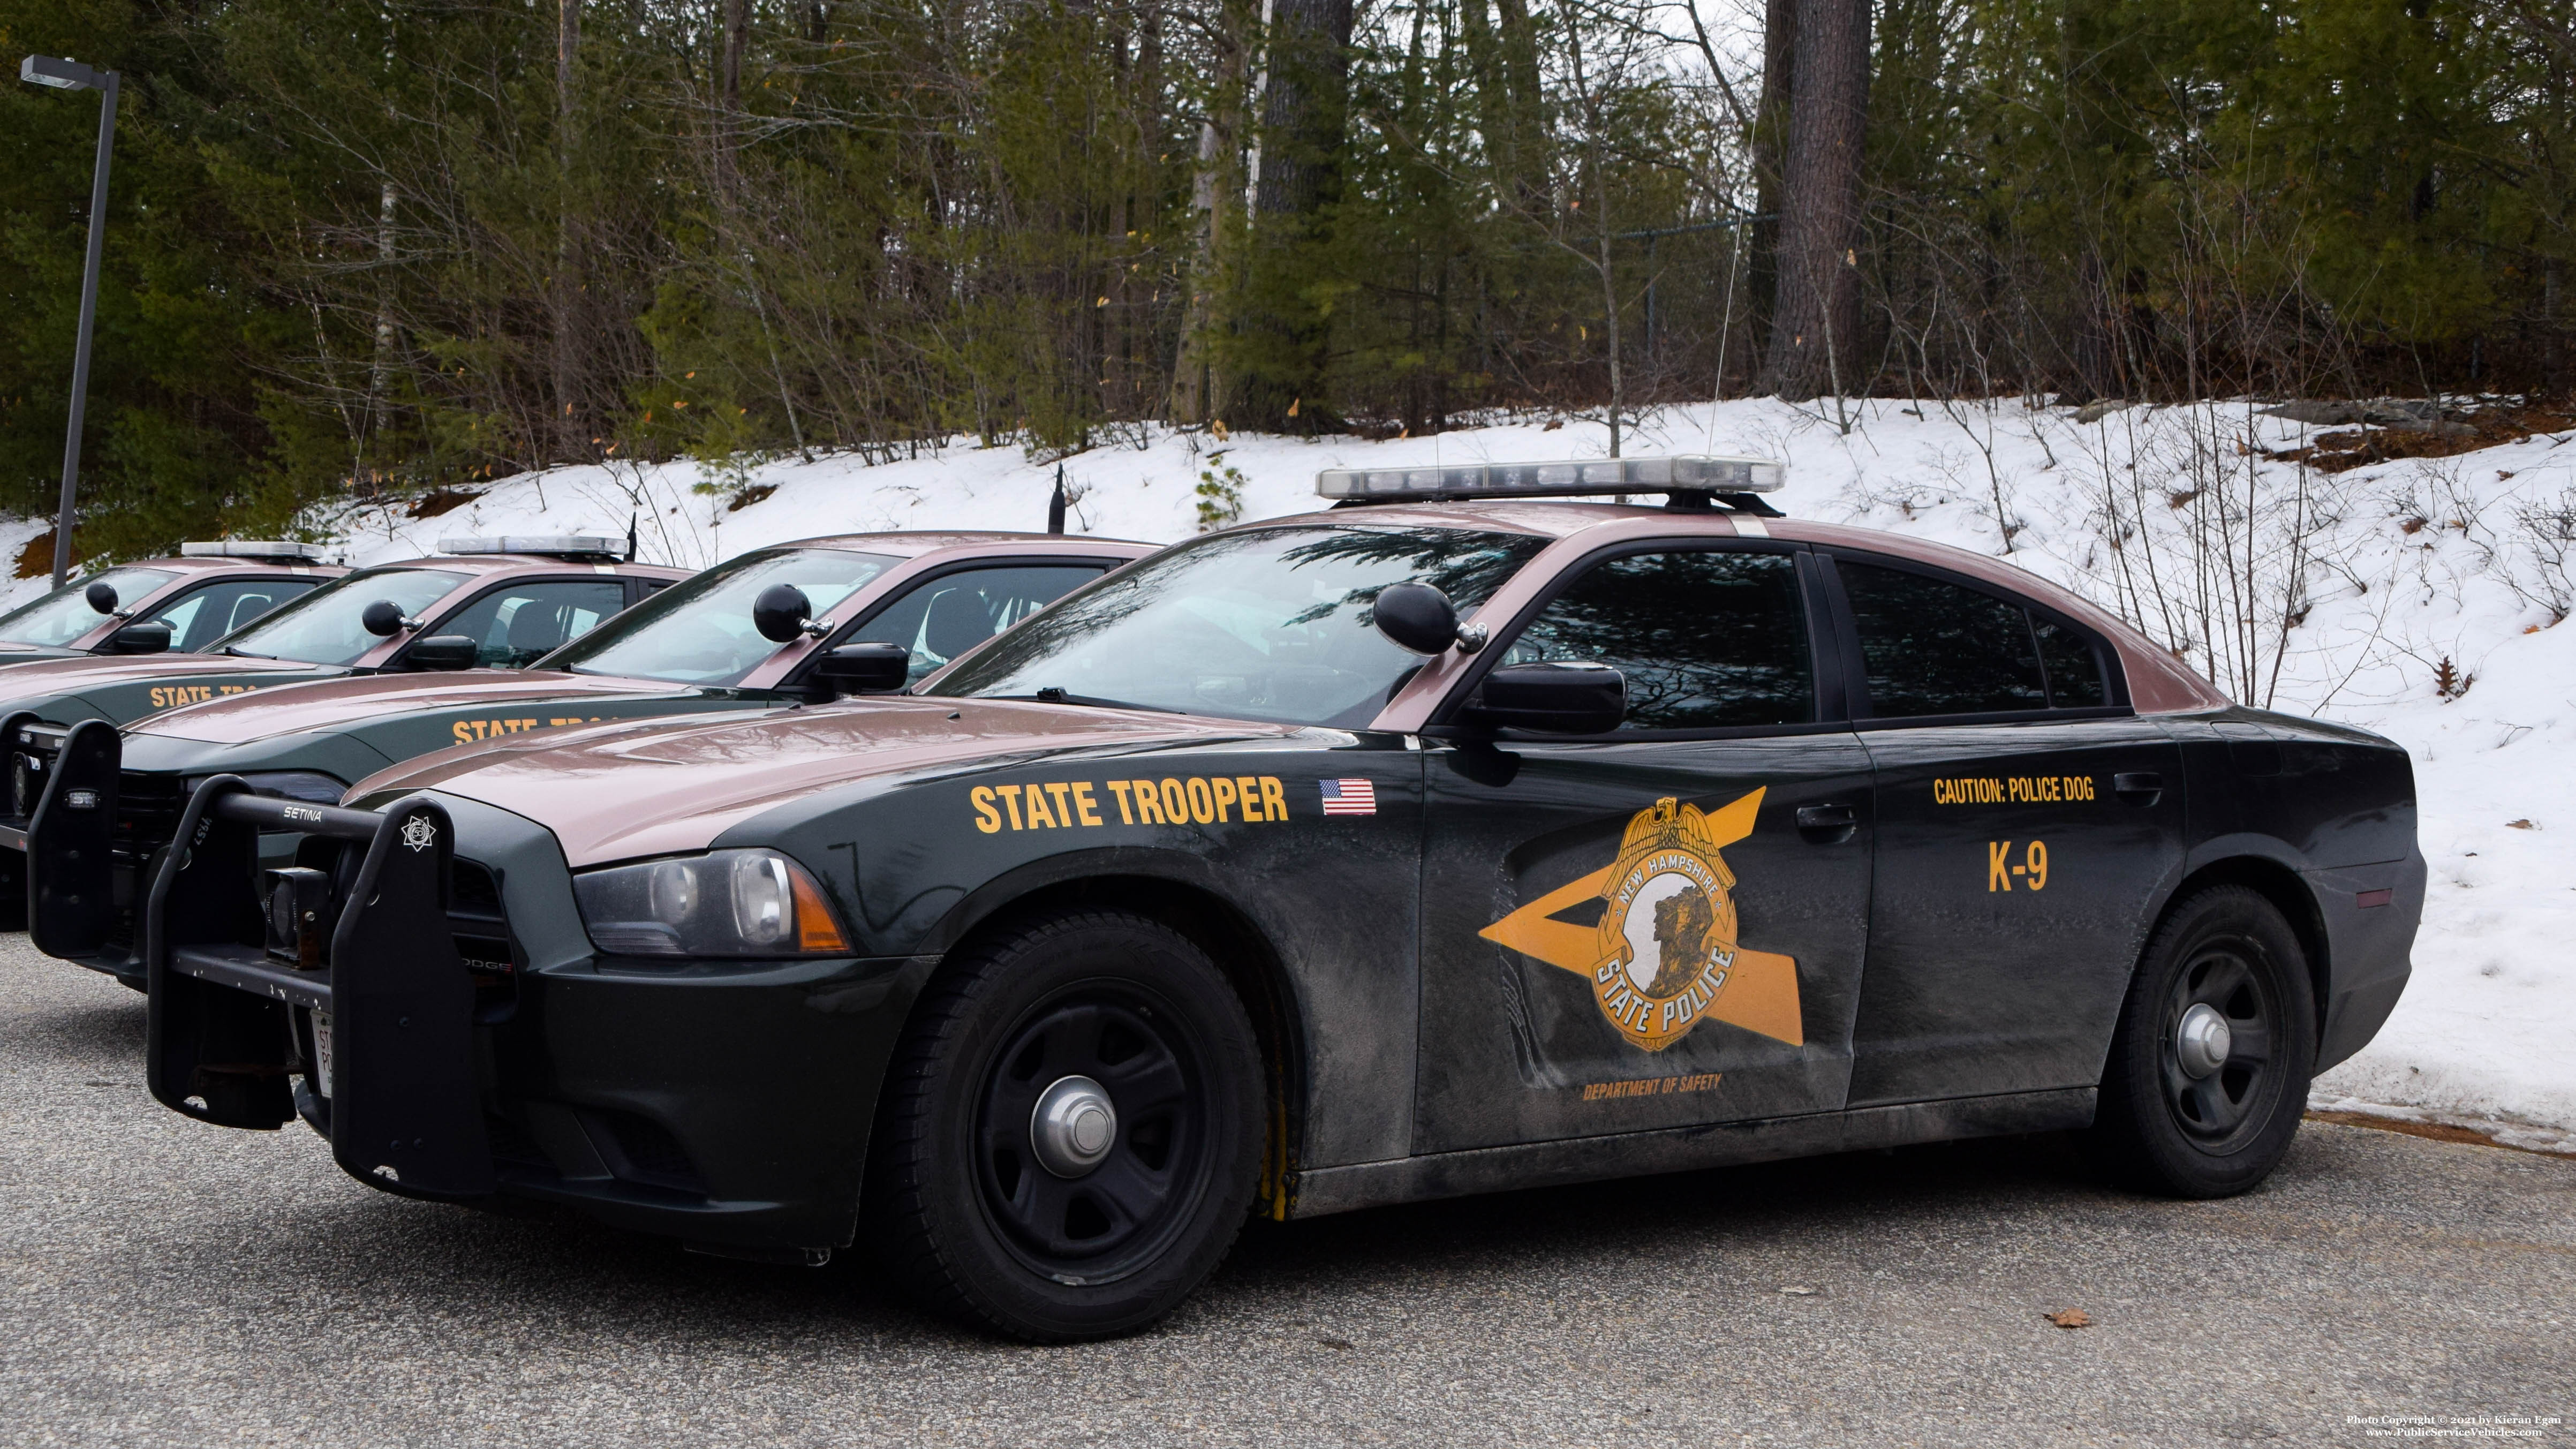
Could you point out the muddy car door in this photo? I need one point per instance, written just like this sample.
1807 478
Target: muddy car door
1662 924
2028 821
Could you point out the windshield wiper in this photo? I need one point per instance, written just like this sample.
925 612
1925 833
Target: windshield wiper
1052 695
239 652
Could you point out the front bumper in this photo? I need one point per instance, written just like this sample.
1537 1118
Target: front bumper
725 1103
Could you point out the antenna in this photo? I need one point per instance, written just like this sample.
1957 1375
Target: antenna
630 536
1055 505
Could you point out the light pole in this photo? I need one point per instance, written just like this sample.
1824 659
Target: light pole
71 75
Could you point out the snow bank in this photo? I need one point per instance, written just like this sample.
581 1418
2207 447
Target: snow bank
2353 590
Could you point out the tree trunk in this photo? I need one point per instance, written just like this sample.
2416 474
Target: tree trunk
1816 323
568 430
1216 190
1304 73
1770 143
1279 374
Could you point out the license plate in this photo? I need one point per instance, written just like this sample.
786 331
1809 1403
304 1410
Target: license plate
322 1054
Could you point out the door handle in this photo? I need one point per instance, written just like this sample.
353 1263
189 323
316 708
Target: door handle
1827 824
2138 787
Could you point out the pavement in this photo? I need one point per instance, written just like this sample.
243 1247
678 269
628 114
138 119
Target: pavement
167 1283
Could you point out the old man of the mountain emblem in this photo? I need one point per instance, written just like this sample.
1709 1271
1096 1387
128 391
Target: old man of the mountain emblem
1664 956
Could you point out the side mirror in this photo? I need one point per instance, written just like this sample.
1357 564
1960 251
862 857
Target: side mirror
1564 699
1418 617
780 613
101 596
383 618
866 668
139 639
442 651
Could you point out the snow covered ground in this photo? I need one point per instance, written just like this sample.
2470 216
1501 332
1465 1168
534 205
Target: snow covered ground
2413 597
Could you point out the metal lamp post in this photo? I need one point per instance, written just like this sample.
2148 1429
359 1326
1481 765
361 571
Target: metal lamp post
71 75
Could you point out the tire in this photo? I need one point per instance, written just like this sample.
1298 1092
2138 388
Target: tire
2175 1116
959 1206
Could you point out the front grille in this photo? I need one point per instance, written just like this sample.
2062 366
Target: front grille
148 806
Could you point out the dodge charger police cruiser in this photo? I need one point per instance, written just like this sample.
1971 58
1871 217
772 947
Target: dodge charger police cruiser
1457 838
777 626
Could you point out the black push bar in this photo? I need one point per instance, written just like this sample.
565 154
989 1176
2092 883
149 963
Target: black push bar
401 1105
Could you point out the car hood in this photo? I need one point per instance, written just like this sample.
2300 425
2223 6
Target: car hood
84 672
619 791
337 703
30 653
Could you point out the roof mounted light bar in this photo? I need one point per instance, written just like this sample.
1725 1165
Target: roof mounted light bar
1695 477
557 545
263 548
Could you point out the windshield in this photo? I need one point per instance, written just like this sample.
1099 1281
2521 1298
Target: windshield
699 631
323 627
64 615
1268 624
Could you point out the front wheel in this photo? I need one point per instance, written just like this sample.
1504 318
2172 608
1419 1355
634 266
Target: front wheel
2208 1074
1071 1133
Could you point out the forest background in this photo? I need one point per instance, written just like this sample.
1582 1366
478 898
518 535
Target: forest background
401 246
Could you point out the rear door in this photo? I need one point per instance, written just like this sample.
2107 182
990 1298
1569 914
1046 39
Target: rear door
2027 823
1664 925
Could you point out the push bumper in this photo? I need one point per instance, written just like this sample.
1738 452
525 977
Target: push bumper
723 1103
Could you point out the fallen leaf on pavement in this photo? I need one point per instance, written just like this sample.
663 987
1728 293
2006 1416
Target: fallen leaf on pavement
2520 825
2071 1318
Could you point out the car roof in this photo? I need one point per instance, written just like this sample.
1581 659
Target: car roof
2158 682
918 544
488 564
192 568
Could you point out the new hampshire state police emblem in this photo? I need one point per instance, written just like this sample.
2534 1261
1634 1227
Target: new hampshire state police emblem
1664 956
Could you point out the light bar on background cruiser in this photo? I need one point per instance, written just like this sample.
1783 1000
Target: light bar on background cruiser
1587 477
560 545
254 548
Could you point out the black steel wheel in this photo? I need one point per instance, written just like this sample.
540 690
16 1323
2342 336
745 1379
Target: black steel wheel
2208 1073
1071 1133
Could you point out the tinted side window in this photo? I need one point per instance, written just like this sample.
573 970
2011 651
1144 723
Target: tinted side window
1931 647
946 616
1708 640
514 627
201 616
2074 673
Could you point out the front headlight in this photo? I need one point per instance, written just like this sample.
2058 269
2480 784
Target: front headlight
723 903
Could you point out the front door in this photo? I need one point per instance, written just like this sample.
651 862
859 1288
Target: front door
1665 925
2027 824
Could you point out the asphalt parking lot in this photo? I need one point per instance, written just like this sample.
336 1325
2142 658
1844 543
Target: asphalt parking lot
166 1283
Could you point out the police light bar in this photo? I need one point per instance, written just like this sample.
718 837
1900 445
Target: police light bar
267 548
559 545
1583 478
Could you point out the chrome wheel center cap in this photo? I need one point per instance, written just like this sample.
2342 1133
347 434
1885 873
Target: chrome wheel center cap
1073 1126
2202 1041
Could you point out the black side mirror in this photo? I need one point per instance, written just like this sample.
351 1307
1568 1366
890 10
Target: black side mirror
780 613
139 639
865 668
1564 699
1417 617
383 618
101 596
442 651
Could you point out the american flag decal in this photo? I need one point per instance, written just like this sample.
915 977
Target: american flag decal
1349 797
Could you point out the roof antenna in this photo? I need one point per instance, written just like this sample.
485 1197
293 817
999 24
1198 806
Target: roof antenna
1055 505
630 537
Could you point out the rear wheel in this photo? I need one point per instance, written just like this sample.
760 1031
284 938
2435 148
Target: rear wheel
2208 1074
1071 1135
